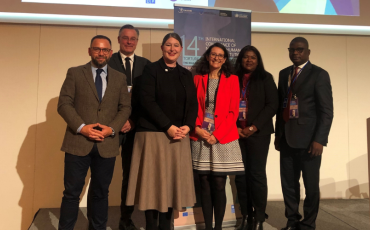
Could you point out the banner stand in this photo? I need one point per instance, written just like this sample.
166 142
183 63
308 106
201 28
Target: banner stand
199 28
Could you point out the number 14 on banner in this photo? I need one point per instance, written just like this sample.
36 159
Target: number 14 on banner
193 46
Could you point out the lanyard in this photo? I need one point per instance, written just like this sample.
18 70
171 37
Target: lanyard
207 100
245 90
294 78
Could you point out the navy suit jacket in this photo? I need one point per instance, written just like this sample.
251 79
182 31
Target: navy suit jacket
315 106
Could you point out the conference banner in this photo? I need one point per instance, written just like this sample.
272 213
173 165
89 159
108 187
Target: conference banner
200 27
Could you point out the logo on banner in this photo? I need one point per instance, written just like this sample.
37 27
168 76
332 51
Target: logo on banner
241 15
225 13
150 1
185 214
182 10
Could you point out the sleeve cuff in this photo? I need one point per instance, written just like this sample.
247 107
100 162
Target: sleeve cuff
166 127
191 127
79 128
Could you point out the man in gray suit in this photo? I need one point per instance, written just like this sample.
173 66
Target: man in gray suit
127 62
95 103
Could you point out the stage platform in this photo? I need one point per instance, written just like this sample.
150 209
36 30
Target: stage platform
333 215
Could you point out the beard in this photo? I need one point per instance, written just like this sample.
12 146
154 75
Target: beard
99 64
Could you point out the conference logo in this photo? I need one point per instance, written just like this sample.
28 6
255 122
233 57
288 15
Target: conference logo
241 15
150 1
182 10
225 13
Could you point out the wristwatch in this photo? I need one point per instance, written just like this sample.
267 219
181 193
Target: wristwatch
251 128
113 133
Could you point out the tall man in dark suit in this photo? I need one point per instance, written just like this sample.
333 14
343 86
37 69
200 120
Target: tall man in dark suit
302 128
132 66
95 103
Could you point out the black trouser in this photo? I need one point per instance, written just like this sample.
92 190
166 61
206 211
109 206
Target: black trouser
292 163
75 170
127 142
252 187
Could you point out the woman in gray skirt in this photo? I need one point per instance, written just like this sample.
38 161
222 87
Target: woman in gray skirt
161 176
215 147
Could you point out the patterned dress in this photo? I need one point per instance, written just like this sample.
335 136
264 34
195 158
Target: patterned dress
217 159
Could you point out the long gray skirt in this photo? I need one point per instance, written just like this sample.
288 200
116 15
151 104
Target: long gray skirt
161 174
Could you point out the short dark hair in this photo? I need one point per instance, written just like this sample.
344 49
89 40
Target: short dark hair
172 35
128 26
260 69
300 39
203 66
101 37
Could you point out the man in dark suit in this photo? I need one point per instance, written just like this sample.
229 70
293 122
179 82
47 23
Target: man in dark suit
95 103
302 128
125 61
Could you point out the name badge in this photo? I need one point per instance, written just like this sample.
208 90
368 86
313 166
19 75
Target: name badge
129 88
208 122
243 110
293 109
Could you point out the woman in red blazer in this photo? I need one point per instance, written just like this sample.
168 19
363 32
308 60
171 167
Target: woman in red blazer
215 148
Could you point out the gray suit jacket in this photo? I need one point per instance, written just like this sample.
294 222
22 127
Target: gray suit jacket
79 103
315 106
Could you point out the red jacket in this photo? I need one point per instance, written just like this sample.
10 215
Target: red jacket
227 107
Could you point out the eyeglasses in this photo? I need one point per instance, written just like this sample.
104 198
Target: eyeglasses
292 50
219 56
97 50
133 39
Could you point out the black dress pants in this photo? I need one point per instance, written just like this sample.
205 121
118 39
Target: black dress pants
252 187
293 162
127 141
75 170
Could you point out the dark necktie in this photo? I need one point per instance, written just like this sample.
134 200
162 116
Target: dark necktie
128 70
99 83
287 108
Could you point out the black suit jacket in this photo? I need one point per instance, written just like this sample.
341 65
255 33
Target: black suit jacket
139 63
263 103
315 106
157 97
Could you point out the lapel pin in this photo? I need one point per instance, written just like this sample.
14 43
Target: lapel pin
166 70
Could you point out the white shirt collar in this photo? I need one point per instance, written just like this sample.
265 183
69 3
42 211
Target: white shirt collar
93 68
124 56
301 66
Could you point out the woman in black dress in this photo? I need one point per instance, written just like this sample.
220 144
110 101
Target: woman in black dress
259 96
